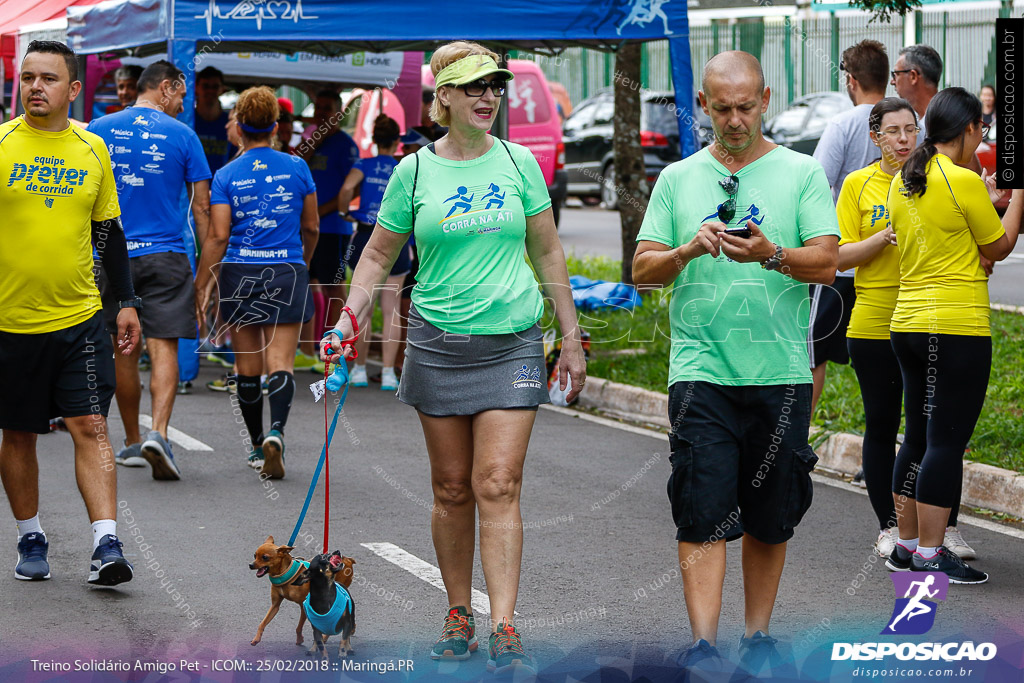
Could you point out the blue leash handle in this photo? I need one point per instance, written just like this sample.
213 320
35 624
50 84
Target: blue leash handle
340 372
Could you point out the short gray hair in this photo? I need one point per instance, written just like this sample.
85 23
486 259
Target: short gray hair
925 60
129 72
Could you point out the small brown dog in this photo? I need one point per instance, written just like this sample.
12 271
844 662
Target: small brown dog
289 579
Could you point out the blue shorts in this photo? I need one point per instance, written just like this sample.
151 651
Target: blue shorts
264 293
403 264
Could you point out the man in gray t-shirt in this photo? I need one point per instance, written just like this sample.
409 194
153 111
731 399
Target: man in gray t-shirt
845 145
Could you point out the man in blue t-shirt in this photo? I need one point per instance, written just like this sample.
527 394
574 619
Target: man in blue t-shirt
155 158
211 119
330 153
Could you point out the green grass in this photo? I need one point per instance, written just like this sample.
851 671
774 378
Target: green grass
998 438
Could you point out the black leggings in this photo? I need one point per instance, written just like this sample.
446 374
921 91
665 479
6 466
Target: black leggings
945 377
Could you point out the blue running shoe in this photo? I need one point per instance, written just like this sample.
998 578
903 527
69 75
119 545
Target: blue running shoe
157 453
130 456
222 356
32 564
109 567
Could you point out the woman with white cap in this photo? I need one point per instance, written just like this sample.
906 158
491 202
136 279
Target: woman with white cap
474 369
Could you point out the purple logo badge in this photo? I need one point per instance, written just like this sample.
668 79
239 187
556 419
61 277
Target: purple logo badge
916 593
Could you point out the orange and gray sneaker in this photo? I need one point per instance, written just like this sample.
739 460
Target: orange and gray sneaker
506 651
458 637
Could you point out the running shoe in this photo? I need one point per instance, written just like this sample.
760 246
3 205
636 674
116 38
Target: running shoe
858 480
225 383
506 651
458 636
358 377
256 458
109 567
131 456
886 541
388 380
273 455
956 543
950 564
701 656
157 452
222 356
306 362
184 388
899 559
32 564
760 649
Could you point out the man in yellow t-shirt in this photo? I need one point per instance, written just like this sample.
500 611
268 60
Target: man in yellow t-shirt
60 201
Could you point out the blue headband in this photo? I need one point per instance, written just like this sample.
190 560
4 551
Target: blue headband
251 129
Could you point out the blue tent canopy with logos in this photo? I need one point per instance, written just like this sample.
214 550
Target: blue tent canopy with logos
188 29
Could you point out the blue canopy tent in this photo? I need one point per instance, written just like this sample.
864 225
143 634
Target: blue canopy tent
187 29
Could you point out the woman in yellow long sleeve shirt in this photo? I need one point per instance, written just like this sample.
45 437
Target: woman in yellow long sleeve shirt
942 215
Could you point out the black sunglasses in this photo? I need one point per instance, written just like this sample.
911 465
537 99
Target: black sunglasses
901 71
727 209
478 87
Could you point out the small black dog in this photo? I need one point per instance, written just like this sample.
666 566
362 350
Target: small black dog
329 606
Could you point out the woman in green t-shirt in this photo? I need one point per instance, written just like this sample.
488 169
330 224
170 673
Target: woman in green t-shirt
474 369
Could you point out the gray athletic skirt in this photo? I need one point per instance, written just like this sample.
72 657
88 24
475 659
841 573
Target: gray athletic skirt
461 374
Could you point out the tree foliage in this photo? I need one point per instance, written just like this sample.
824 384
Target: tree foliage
884 10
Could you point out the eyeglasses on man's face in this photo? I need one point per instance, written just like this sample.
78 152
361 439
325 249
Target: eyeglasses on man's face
900 71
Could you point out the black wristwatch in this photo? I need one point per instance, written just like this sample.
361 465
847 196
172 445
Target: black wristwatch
774 261
130 303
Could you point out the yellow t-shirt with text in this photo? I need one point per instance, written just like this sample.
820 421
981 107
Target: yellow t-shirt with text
943 288
53 185
862 212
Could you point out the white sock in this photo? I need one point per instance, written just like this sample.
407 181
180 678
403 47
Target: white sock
359 367
102 527
910 544
388 371
926 553
29 526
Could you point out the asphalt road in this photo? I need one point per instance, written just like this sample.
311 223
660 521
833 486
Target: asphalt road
598 587
592 231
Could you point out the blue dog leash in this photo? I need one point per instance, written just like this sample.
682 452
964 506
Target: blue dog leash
333 383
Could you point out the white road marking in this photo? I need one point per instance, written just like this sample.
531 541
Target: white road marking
828 481
424 570
177 436
973 521
632 429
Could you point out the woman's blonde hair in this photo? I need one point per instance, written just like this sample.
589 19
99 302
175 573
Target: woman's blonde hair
257 107
447 54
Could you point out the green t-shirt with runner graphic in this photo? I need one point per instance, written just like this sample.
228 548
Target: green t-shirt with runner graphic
735 323
473 276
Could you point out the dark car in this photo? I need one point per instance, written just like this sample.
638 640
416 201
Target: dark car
801 124
589 155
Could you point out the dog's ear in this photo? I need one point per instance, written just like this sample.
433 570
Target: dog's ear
285 549
270 539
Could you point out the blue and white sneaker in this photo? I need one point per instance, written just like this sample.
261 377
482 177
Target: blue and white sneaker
273 455
222 356
109 567
157 452
32 564
130 456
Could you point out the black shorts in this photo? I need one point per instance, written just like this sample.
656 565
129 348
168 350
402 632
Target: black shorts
165 283
264 293
327 265
831 307
740 460
355 250
67 373
410 277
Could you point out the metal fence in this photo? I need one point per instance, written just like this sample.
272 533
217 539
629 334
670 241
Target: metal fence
800 55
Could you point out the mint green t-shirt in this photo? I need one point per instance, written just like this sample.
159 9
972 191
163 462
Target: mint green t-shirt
736 323
470 234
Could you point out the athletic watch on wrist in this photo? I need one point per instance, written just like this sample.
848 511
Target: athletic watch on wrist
774 261
130 303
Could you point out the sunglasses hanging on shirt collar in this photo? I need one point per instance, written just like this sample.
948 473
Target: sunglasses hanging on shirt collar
727 209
